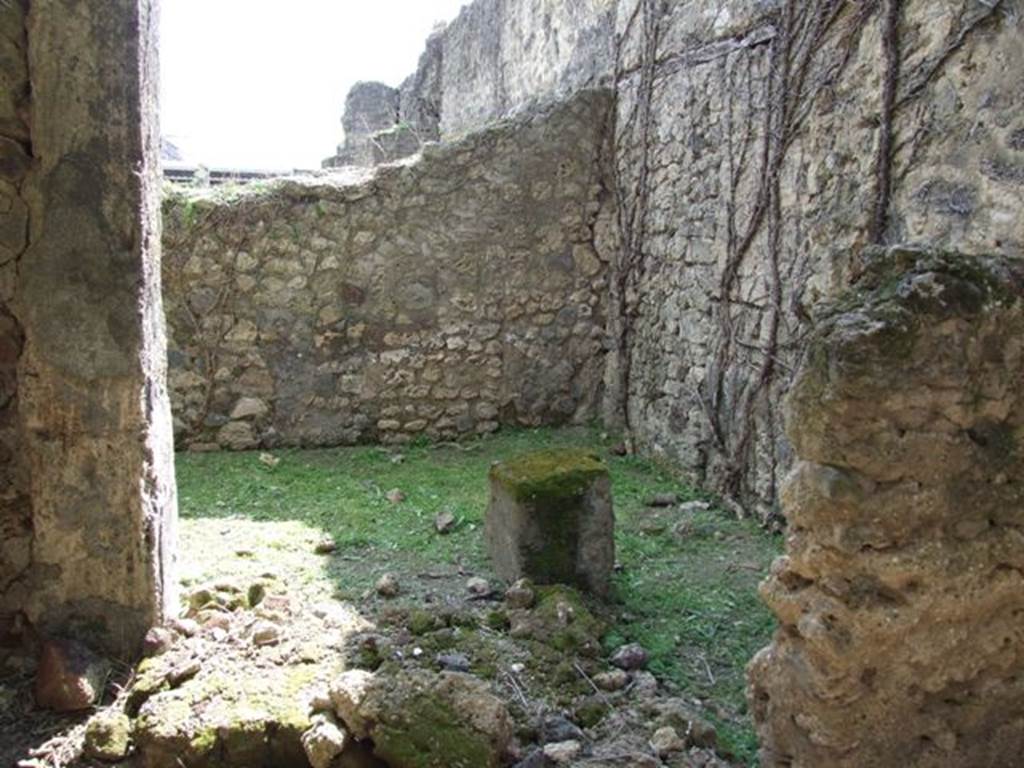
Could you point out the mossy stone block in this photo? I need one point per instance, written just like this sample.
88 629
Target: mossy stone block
550 519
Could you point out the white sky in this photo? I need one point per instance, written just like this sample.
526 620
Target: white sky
262 83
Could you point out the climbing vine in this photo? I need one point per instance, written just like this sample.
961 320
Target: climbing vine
759 323
632 208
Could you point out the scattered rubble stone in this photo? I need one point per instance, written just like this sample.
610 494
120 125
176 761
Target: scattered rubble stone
560 729
212 620
157 640
520 595
184 671
444 522
702 734
612 680
693 507
563 752
453 662
266 633
184 627
643 685
388 586
420 719
324 741
257 592
560 620
661 500
535 758
666 741
478 587
70 677
107 736
395 496
326 546
630 657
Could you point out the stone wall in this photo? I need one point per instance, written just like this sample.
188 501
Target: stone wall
759 145
440 297
503 55
374 132
901 597
497 58
87 437
15 162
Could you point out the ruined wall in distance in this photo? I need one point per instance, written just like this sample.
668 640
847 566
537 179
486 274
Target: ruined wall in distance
439 298
499 56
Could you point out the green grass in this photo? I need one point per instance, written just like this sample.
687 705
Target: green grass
690 600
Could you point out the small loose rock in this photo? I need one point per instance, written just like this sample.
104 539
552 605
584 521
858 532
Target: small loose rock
70 677
184 671
324 741
444 523
645 685
256 593
214 620
520 595
692 507
534 759
388 586
266 633
563 751
326 546
157 641
702 734
453 662
107 736
558 729
395 496
612 680
667 741
478 587
662 500
630 657
184 627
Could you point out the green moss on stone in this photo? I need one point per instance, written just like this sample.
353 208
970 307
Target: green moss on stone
578 632
497 620
107 735
564 474
591 712
421 622
150 678
553 485
431 736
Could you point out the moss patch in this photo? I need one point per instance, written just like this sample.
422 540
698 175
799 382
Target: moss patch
431 736
562 474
